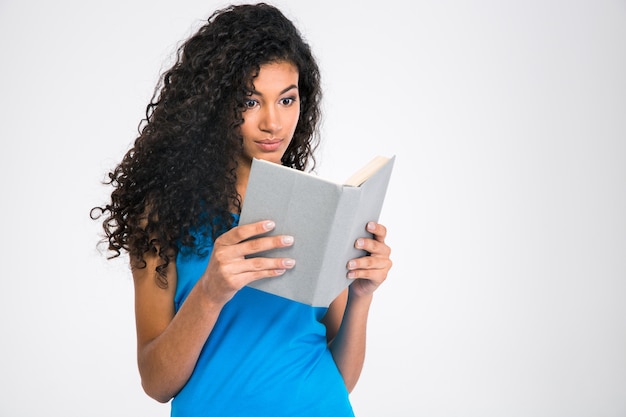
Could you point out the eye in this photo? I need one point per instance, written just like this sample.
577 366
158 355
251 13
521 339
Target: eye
250 103
287 101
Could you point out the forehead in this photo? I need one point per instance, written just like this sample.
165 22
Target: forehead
276 75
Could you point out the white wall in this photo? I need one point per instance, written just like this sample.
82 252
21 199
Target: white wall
506 211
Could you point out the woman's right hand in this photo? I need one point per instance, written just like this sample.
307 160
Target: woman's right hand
229 269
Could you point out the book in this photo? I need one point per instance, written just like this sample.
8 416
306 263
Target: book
324 217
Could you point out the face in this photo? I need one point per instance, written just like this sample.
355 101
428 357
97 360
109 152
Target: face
271 113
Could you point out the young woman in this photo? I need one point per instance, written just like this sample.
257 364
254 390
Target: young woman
244 86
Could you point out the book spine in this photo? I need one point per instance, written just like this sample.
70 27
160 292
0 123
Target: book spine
339 248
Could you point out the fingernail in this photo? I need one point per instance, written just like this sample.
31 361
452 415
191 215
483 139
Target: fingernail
287 240
371 226
289 262
359 243
351 264
269 225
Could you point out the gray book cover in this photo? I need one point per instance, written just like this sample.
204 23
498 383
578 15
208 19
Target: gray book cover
324 217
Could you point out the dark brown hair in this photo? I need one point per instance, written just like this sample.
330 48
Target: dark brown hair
179 176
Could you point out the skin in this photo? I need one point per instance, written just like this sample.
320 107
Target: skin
169 344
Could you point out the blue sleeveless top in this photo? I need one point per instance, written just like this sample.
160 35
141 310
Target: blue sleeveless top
266 357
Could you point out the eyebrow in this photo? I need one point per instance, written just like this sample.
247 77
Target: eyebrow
291 87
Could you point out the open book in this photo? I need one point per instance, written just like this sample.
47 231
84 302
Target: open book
324 217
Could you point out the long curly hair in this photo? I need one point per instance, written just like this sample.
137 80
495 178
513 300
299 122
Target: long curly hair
180 174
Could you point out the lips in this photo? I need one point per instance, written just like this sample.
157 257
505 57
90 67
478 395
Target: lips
269 145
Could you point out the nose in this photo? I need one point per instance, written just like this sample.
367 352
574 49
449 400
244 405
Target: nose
270 120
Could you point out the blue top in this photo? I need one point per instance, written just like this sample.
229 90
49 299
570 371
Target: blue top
266 356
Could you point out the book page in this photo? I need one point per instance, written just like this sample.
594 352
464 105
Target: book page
366 171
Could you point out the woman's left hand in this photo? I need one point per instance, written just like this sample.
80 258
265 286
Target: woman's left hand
371 270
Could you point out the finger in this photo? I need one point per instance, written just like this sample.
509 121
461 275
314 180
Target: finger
370 263
254 269
234 259
243 232
267 264
378 230
373 247
377 275
263 244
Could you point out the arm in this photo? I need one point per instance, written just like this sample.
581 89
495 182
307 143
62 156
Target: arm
169 343
346 318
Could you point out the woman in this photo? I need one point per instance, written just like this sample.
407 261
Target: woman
244 86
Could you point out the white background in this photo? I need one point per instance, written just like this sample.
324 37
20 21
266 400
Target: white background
506 212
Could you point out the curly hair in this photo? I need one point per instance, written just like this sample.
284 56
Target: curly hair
180 174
